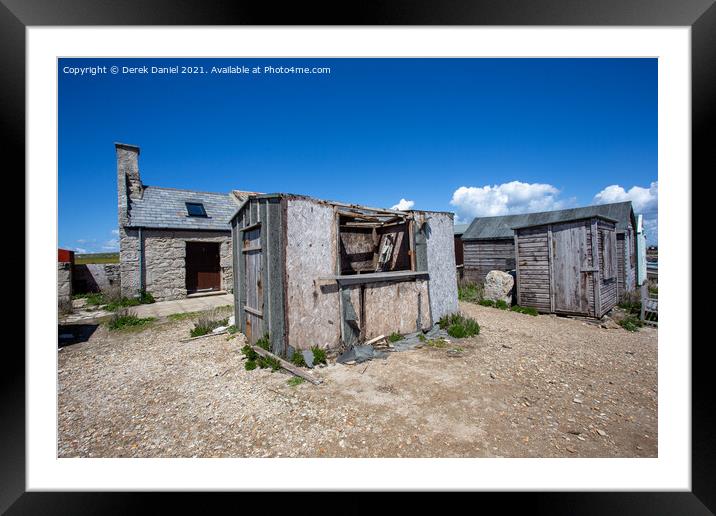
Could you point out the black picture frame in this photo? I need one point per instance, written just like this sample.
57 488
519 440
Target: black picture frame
700 15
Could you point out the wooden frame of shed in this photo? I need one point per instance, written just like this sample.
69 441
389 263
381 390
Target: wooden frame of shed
568 267
309 272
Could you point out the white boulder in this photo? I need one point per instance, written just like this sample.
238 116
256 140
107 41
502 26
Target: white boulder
498 286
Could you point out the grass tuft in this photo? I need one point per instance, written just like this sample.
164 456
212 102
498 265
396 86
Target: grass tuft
297 359
395 337
127 319
459 326
319 355
486 302
207 322
254 360
525 310
631 323
296 380
436 343
470 292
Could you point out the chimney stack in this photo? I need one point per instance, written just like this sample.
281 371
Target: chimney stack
128 179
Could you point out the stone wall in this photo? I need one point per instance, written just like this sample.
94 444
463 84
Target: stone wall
95 277
64 282
164 260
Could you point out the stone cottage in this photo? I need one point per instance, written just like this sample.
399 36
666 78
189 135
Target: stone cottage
172 243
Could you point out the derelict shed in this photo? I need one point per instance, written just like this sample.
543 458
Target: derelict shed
489 241
568 267
310 272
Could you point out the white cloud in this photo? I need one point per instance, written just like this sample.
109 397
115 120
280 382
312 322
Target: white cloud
115 232
79 250
505 199
404 204
644 200
111 245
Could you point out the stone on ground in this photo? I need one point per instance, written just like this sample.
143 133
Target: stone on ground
498 286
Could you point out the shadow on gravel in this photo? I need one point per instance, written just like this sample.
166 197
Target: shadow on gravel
74 333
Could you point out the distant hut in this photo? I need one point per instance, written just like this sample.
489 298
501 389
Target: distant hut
489 242
458 230
568 267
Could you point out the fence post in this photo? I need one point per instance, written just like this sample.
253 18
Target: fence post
644 299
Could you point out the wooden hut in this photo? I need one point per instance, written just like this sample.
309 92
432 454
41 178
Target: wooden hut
489 241
309 272
568 267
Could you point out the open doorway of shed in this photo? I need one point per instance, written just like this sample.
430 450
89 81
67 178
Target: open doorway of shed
203 269
374 242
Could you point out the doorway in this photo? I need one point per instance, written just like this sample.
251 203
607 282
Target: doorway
203 268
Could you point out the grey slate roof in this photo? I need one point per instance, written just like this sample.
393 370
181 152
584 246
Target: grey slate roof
166 208
487 228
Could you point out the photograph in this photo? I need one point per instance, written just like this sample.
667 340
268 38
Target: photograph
358 257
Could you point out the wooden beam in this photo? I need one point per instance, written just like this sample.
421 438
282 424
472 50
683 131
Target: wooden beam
211 334
253 311
372 277
373 341
368 208
250 227
288 366
357 215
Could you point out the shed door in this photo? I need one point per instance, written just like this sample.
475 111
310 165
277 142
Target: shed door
253 281
570 267
203 267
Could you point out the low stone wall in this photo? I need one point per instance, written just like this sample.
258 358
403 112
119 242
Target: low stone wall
95 277
64 282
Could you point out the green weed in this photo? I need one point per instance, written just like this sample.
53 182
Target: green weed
471 292
631 323
395 337
319 355
297 359
501 304
459 326
126 319
525 310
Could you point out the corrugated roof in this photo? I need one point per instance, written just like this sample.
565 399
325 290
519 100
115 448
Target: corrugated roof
459 229
487 228
166 208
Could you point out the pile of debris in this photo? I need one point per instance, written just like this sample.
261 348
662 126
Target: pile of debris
380 347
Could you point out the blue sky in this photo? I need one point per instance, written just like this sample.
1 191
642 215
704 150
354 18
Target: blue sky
473 136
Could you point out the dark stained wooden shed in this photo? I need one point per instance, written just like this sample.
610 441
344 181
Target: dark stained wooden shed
568 267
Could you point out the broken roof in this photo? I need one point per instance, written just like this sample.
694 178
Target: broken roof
166 208
358 208
487 228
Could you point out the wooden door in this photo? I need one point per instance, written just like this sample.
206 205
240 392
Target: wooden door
253 281
203 267
570 267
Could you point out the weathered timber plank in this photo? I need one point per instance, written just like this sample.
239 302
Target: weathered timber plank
287 365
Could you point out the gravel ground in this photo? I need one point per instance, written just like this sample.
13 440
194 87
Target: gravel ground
525 387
